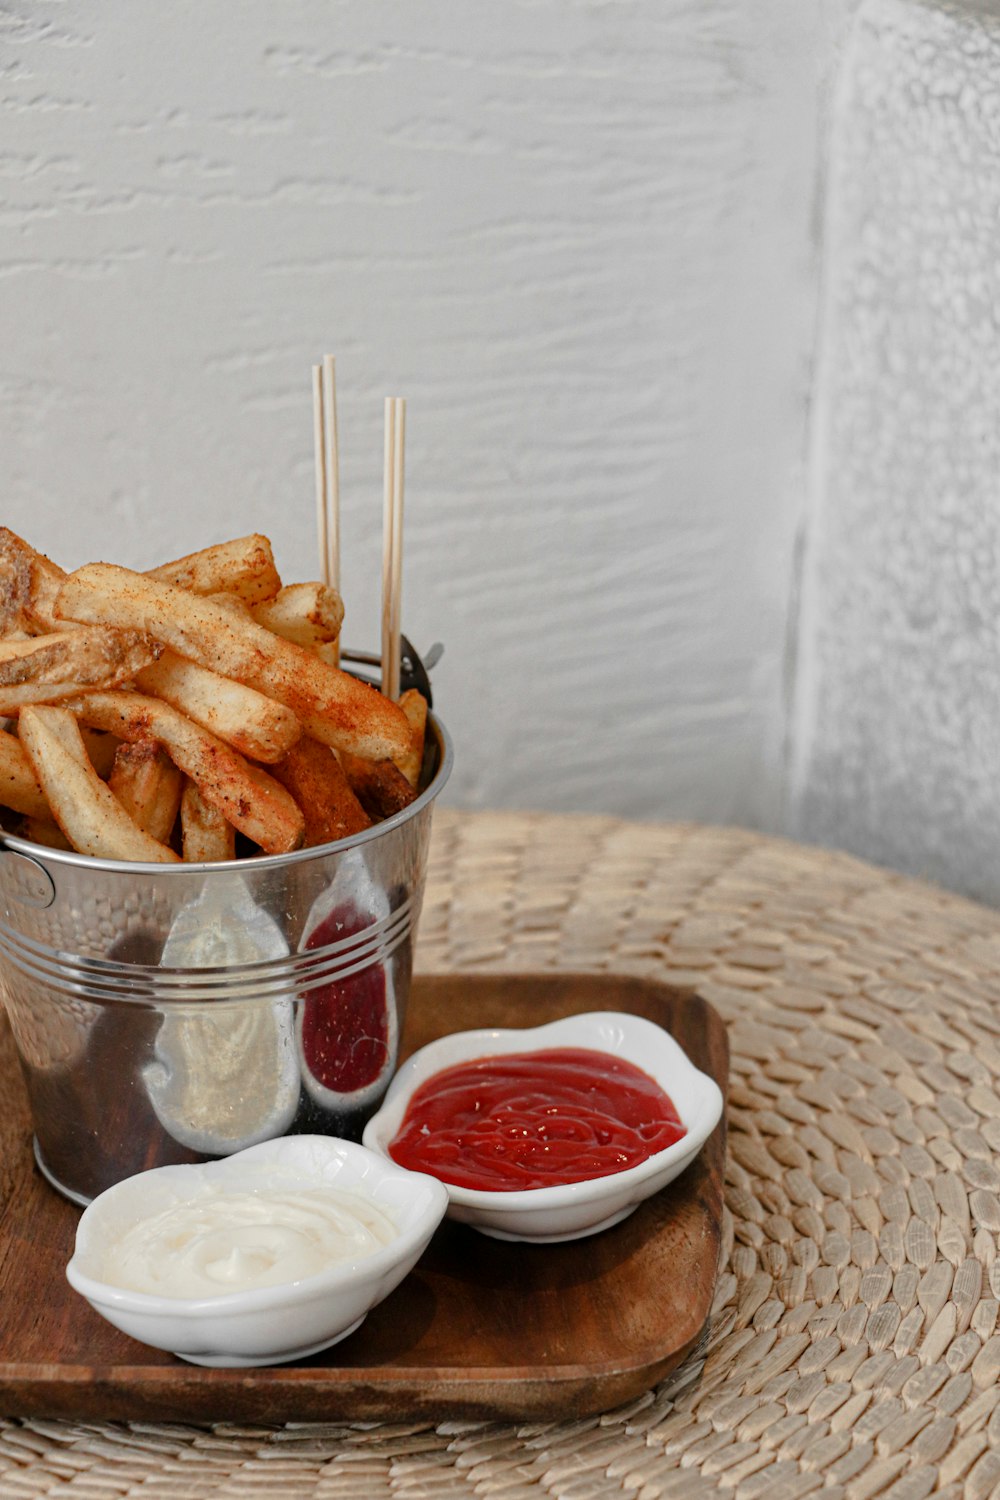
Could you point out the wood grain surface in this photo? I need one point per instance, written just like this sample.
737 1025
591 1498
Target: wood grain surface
480 1328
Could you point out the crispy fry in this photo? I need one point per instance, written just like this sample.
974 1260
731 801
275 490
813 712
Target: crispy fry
101 749
19 786
334 708
414 706
47 668
205 834
29 583
251 800
44 831
148 785
310 614
247 720
244 567
89 815
315 778
379 786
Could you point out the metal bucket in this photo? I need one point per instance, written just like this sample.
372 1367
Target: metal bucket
145 1042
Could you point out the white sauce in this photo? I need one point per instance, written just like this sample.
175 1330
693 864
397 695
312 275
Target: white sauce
235 1241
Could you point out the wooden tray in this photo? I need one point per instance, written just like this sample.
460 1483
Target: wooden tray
479 1329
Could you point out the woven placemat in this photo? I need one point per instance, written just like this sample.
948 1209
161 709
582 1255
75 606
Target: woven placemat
853 1347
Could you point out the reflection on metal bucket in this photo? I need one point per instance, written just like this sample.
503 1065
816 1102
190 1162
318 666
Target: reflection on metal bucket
143 1043
224 1075
347 1029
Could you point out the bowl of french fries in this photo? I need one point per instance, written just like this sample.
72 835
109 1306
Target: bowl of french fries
212 859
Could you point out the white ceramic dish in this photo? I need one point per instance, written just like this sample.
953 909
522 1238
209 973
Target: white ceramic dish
268 1325
570 1211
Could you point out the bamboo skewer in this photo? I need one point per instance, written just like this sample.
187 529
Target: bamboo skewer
331 565
319 461
392 543
327 462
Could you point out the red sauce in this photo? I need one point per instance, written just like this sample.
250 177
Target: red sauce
345 1024
535 1119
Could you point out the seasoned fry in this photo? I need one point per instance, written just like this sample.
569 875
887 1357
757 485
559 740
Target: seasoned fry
244 567
414 706
205 834
315 778
47 668
19 786
379 786
89 814
310 614
251 800
247 720
29 583
44 831
101 749
148 785
334 708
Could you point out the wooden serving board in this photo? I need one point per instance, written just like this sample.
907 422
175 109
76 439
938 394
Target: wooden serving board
481 1328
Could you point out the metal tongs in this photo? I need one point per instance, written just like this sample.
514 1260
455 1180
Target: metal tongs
414 672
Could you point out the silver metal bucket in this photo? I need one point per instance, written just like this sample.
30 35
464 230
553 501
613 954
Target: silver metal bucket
174 1013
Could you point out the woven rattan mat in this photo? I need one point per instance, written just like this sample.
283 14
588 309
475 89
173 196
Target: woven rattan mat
854 1346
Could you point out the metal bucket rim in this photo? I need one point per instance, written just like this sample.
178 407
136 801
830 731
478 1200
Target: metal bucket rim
43 854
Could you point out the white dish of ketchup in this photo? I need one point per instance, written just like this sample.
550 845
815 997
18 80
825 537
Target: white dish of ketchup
590 1120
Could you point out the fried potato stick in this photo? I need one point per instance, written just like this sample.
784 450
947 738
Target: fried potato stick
414 706
334 708
206 836
102 749
244 567
255 725
49 667
89 814
148 785
379 786
315 778
251 800
19 786
310 614
29 583
44 831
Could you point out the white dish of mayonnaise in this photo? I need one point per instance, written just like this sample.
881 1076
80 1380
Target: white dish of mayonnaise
267 1256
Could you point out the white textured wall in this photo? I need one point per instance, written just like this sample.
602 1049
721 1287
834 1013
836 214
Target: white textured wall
898 719
579 236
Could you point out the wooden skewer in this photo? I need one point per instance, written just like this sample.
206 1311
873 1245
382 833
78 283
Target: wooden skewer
331 558
392 543
319 461
327 464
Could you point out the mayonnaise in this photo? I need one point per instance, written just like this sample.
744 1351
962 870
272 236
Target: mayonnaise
223 1241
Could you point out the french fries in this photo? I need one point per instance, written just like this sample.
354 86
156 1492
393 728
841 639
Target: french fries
414 706
44 831
310 614
244 567
170 710
58 665
334 708
29 583
89 814
256 726
19 786
379 786
252 801
102 749
148 785
315 778
206 837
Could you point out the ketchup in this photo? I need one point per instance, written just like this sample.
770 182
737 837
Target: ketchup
535 1119
345 1024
